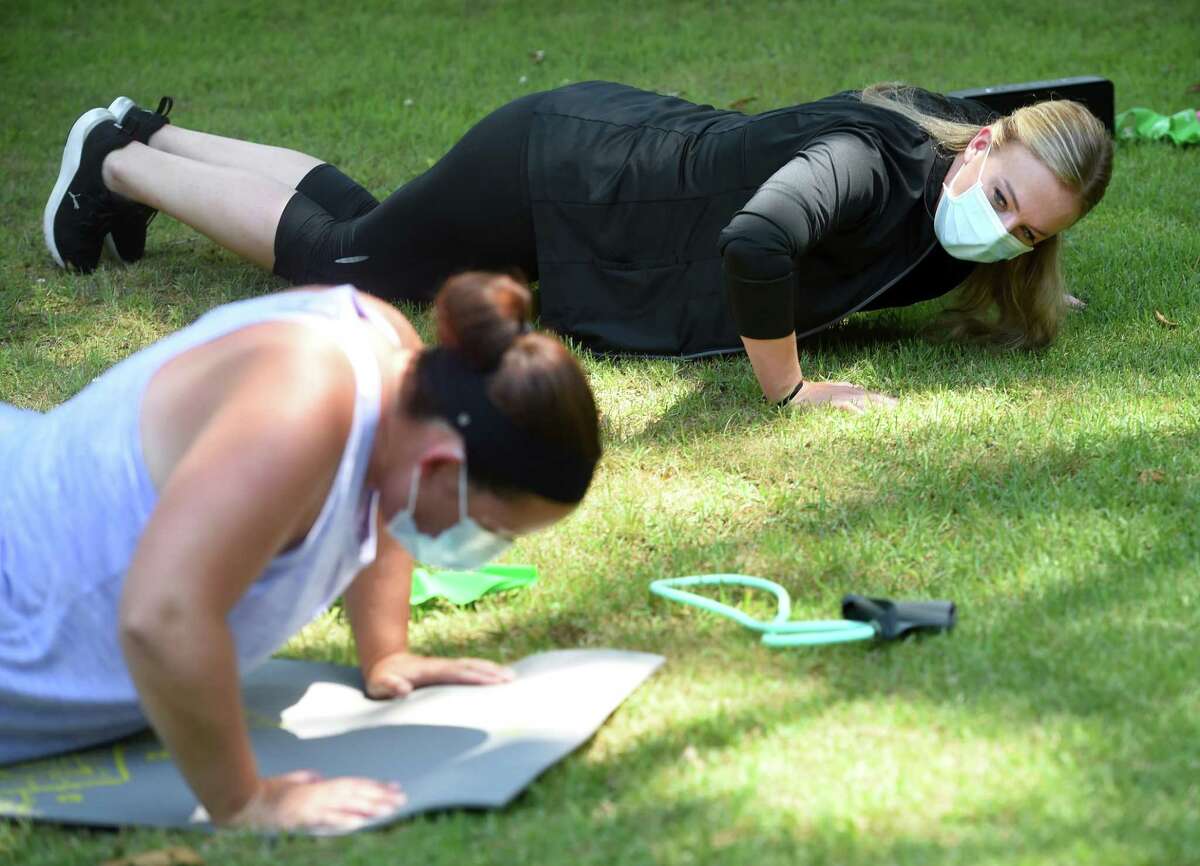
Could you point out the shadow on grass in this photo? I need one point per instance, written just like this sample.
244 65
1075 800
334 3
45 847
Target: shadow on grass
1103 650
1111 647
174 284
1018 668
746 830
1106 654
910 360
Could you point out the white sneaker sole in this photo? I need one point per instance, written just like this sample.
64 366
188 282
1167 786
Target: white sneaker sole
119 108
70 165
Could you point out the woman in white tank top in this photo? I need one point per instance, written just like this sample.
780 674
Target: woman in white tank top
180 518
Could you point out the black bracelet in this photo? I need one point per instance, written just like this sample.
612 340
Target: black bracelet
791 396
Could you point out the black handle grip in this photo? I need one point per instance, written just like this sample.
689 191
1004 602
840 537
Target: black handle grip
895 619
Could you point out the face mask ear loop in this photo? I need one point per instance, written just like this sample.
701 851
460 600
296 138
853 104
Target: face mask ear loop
462 490
410 507
983 165
978 178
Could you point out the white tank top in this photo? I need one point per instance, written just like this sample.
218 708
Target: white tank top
75 496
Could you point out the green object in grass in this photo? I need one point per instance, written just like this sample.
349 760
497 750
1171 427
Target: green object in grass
464 587
778 632
1182 127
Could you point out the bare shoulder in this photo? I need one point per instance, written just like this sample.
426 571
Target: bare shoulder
297 386
283 391
248 475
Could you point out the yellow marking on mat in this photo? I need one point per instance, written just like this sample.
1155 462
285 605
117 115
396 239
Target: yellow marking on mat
16 806
157 756
119 760
67 776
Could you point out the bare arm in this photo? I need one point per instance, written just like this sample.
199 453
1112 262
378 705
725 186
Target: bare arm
777 368
378 604
776 365
249 484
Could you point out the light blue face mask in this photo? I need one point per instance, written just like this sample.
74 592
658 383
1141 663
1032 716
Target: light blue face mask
462 547
969 228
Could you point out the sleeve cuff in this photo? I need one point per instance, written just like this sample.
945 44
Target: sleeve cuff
762 309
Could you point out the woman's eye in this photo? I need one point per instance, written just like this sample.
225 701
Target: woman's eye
1029 237
1001 201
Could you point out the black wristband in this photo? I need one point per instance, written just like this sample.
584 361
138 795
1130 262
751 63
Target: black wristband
791 396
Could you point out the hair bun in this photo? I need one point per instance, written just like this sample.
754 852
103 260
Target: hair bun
481 314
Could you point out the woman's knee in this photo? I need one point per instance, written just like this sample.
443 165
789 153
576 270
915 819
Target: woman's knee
305 241
336 193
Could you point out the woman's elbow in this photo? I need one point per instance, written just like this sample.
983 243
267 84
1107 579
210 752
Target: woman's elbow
745 259
147 627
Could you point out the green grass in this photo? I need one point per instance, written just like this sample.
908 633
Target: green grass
1053 496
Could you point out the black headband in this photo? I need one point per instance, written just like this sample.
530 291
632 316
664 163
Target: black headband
497 449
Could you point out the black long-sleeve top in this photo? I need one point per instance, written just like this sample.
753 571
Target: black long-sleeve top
669 228
833 187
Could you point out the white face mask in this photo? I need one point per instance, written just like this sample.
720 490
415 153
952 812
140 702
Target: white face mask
969 228
462 547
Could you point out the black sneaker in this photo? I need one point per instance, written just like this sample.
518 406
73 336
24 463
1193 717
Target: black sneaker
141 123
80 210
126 242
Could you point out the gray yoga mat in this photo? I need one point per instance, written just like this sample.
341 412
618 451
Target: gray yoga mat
447 746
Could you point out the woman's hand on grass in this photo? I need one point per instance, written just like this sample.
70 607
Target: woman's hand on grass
302 800
396 675
840 395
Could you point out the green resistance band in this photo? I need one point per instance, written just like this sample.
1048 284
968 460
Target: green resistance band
1182 127
464 587
779 632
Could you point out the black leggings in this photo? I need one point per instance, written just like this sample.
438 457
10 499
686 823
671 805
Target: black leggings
470 211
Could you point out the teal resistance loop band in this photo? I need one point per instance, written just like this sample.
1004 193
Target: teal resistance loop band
779 632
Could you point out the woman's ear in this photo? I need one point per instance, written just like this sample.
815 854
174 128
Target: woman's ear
978 145
446 448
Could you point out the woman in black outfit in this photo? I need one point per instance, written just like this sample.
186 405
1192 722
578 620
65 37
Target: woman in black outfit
655 226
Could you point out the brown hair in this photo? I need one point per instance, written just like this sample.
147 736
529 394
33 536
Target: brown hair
534 380
1026 293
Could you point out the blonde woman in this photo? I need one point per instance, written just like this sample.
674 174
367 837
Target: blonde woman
654 225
